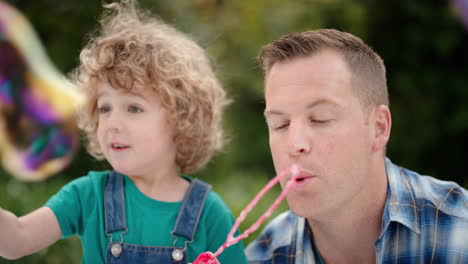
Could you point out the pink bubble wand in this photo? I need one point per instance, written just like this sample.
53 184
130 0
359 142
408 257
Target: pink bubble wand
210 258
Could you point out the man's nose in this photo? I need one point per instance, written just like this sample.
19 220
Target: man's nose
299 143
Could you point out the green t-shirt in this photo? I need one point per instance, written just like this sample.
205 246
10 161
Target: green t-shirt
79 208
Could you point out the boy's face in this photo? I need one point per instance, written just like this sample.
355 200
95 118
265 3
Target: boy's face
134 133
316 121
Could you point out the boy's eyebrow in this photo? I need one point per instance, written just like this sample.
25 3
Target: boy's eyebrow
136 94
101 93
320 101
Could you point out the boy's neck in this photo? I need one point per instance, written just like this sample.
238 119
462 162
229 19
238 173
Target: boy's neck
165 186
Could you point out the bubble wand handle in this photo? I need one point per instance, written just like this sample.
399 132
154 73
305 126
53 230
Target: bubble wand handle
231 240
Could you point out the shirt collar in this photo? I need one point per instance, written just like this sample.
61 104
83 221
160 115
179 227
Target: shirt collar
400 204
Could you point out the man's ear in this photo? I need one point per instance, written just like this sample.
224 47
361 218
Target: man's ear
383 124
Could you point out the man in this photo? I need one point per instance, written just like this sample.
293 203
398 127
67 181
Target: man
327 110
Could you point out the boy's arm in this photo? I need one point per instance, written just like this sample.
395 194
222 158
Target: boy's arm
28 234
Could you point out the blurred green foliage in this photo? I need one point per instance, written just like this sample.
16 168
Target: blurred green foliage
422 42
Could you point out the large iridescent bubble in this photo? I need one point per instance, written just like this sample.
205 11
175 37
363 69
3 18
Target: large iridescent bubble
38 135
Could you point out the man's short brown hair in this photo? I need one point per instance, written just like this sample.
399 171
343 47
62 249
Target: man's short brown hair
367 68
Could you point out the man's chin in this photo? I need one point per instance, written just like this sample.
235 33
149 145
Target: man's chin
298 208
306 207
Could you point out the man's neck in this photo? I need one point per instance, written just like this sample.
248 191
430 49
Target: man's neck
349 236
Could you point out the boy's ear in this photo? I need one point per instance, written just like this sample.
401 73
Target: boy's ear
383 123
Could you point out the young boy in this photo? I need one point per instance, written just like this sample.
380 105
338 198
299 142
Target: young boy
153 111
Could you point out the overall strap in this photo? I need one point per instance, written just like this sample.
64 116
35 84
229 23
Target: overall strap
114 203
191 209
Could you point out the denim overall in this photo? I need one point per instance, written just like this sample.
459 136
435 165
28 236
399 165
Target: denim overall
118 252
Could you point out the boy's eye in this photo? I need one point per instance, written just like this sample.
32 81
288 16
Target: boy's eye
104 109
134 109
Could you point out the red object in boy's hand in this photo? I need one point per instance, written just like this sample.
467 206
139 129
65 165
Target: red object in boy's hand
206 258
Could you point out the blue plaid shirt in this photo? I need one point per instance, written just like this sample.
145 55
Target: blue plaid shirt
425 221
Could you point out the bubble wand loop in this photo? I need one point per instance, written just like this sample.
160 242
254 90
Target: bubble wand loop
208 257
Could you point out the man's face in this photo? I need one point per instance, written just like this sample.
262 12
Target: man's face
316 121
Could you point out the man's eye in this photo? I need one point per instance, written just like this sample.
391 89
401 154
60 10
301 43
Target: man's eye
104 109
278 125
134 109
281 126
274 124
319 121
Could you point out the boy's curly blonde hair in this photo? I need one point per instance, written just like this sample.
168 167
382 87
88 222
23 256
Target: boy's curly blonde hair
136 50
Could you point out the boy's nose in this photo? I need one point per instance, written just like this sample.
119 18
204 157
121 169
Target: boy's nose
114 123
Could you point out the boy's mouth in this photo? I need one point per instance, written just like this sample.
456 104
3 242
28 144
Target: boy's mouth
116 146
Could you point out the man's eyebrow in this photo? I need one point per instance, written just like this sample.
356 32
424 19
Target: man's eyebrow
318 102
272 112
322 101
